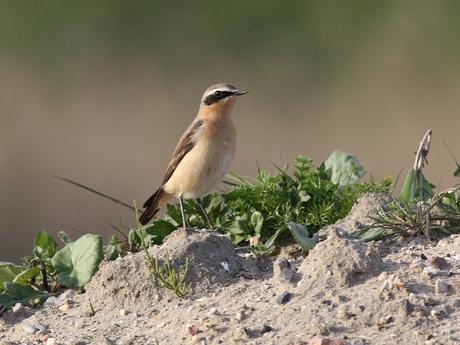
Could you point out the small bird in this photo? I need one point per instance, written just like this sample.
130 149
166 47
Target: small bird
202 156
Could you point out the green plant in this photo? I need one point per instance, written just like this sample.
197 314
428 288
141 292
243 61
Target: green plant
439 215
418 210
49 268
263 206
168 278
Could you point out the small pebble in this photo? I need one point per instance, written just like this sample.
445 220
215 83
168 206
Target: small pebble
239 315
122 312
286 275
282 263
52 302
196 339
342 314
19 309
240 334
283 298
441 286
51 341
161 325
42 327
64 307
212 311
435 313
69 294
438 262
265 329
429 272
383 276
405 306
29 329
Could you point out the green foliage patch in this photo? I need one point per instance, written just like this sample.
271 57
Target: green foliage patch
49 269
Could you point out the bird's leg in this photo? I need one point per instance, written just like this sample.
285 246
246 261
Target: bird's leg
200 202
181 201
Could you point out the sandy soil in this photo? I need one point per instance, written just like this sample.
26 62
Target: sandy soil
344 290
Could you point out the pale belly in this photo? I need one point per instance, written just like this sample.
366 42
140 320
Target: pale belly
200 171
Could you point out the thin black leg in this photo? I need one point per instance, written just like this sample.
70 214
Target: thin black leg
200 202
181 201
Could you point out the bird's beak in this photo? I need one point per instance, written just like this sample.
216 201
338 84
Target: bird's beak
240 92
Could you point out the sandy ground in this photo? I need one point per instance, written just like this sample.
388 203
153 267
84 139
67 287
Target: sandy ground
344 290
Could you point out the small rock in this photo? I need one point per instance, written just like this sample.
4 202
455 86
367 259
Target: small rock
51 341
342 313
386 320
282 263
212 311
69 294
161 325
29 329
430 272
52 302
417 266
383 276
441 286
240 334
319 340
435 313
239 315
265 329
405 307
286 275
283 298
196 339
19 309
438 262
64 307
192 329
41 327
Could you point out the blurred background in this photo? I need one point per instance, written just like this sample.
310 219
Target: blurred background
100 91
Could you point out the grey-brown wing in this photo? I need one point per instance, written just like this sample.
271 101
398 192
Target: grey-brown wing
183 147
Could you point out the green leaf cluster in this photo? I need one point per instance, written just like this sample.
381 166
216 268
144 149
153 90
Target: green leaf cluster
71 267
262 207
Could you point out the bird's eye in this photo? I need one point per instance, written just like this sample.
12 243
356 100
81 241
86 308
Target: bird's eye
218 93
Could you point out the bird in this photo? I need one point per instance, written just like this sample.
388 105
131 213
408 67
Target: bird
202 156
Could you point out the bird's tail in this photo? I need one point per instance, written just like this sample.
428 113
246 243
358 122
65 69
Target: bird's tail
153 204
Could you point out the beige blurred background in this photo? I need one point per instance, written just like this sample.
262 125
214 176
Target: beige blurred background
100 91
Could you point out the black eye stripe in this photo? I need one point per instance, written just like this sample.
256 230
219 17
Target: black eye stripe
217 96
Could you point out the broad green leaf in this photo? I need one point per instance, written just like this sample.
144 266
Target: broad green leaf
159 230
257 221
345 168
24 276
64 237
8 271
113 253
44 245
78 261
405 195
371 235
22 294
299 232
274 237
